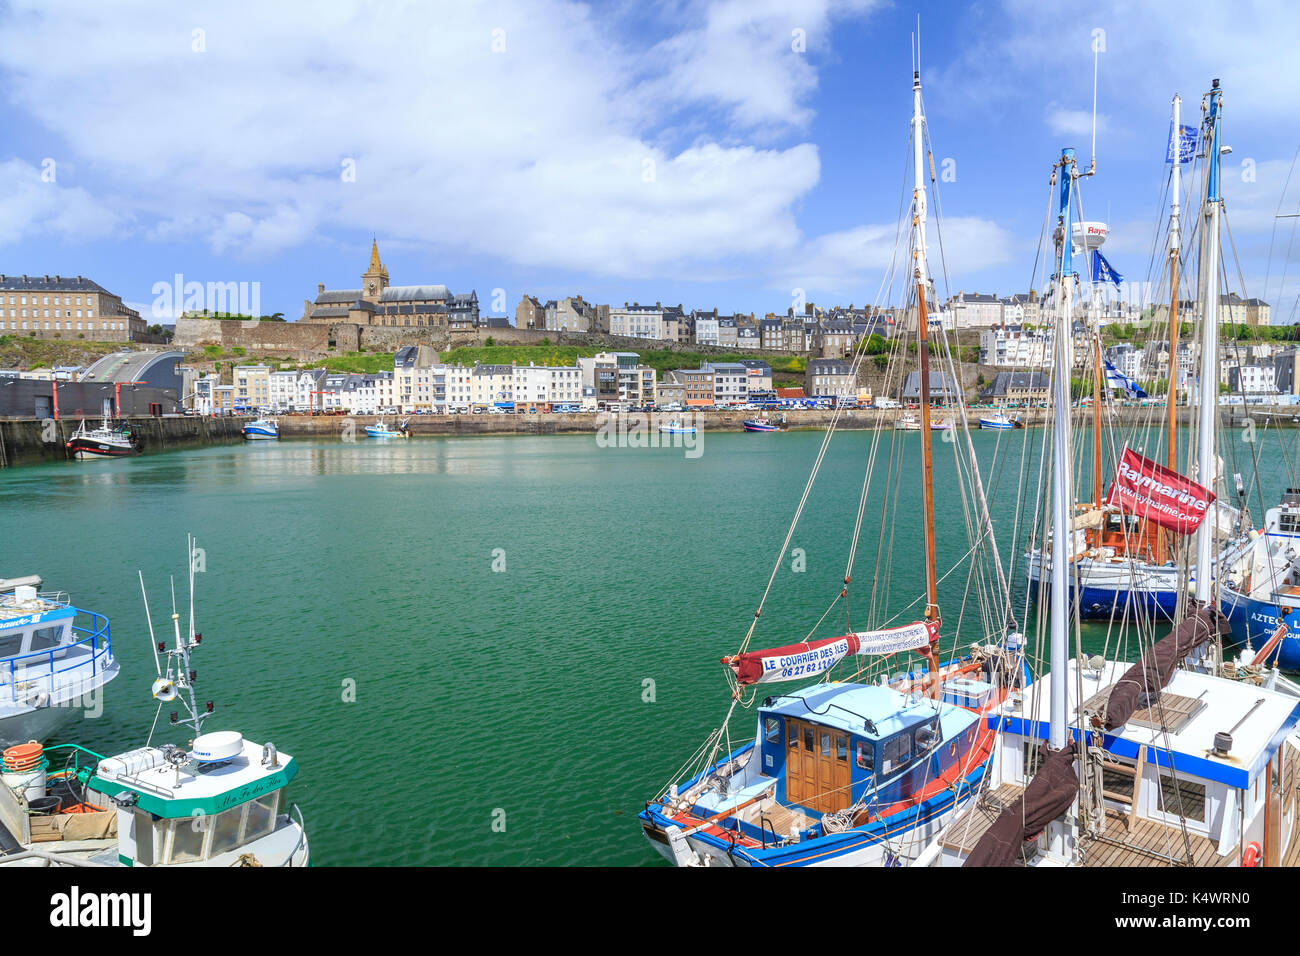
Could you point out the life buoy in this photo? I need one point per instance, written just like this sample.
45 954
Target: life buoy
1251 856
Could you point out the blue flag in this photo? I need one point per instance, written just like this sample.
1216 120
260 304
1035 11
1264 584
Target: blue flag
1102 270
1117 379
1187 138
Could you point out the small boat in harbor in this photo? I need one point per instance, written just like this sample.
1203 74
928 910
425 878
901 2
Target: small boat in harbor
911 423
677 428
106 441
763 425
218 801
52 668
262 429
381 430
999 421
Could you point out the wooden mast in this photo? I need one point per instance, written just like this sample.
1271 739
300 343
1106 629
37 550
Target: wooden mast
923 347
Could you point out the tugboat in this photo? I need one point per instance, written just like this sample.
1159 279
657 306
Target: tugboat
262 429
52 668
106 441
218 801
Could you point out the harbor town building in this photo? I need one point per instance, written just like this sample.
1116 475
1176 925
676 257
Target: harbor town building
378 302
64 307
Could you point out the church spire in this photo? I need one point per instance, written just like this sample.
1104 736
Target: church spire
376 267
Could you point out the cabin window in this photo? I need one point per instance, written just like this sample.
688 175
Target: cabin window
261 816
43 638
771 730
225 831
826 744
1182 797
11 644
1030 765
866 759
897 752
188 835
927 736
842 748
792 736
808 739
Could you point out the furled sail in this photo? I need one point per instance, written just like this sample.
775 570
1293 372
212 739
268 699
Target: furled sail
794 661
1148 676
1048 795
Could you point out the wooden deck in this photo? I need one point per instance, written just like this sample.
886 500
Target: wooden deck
1149 844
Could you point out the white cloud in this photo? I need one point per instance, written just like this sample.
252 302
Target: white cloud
32 203
407 121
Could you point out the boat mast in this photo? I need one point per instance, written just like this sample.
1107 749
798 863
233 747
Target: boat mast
1209 385
1171 394
1058 833
923 350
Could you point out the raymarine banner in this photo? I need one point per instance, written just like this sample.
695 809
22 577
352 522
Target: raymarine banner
1156 493
796 661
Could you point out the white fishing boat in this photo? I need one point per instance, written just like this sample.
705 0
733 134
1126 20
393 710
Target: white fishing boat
999 420
55 661
216 801
1163 762
106 441
381 430
675 427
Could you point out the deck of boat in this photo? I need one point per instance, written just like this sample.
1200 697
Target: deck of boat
1149 843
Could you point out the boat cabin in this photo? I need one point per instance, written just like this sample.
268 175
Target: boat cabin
216 805
45 656
831 744
1206 758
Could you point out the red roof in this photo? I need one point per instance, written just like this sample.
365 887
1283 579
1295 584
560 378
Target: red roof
790 393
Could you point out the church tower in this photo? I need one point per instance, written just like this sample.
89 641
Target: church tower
375 279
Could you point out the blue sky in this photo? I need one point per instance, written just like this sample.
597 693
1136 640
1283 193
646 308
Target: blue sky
682 152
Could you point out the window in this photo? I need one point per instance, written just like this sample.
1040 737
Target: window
771 729
866 756
261 816
842 748
1182 797
187 839
225 831
792 736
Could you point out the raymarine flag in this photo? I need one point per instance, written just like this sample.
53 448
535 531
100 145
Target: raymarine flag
1151 491
1117 379
1187 137
1102 271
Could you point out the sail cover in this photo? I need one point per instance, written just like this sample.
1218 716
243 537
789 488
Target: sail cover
1048 795
1154 492
1148 676
794 661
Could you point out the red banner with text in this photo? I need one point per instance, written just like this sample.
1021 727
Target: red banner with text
1158 494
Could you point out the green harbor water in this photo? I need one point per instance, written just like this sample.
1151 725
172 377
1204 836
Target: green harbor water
487 651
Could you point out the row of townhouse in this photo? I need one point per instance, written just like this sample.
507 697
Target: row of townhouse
1024 346
716 384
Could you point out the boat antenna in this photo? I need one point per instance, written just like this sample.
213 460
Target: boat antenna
1096 58
152 643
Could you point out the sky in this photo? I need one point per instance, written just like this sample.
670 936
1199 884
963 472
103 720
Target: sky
739 154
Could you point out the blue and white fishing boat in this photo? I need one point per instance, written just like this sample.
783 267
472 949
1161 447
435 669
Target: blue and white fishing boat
216 801
262 429
55 661
864 770
998 421
381 430
762 425
675 427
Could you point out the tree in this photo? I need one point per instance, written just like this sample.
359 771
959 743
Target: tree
490 342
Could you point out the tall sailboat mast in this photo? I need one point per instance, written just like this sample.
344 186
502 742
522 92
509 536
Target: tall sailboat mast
1209 384
1062 493
1171 395
923 349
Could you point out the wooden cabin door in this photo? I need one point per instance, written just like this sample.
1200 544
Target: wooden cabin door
816 766
800 762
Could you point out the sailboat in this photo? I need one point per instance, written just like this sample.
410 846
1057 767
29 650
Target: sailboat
1123 564
849 772
1162 762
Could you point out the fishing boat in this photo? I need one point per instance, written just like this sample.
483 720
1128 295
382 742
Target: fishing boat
910 422
675 427
763 425
262 429
864 769
999 421
216 801
55 660
106 441
381 430
1162 762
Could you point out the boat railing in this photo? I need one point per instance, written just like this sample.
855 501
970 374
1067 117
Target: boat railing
96 642
302 834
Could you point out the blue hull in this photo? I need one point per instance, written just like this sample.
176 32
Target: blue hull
1254 621
1100 604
